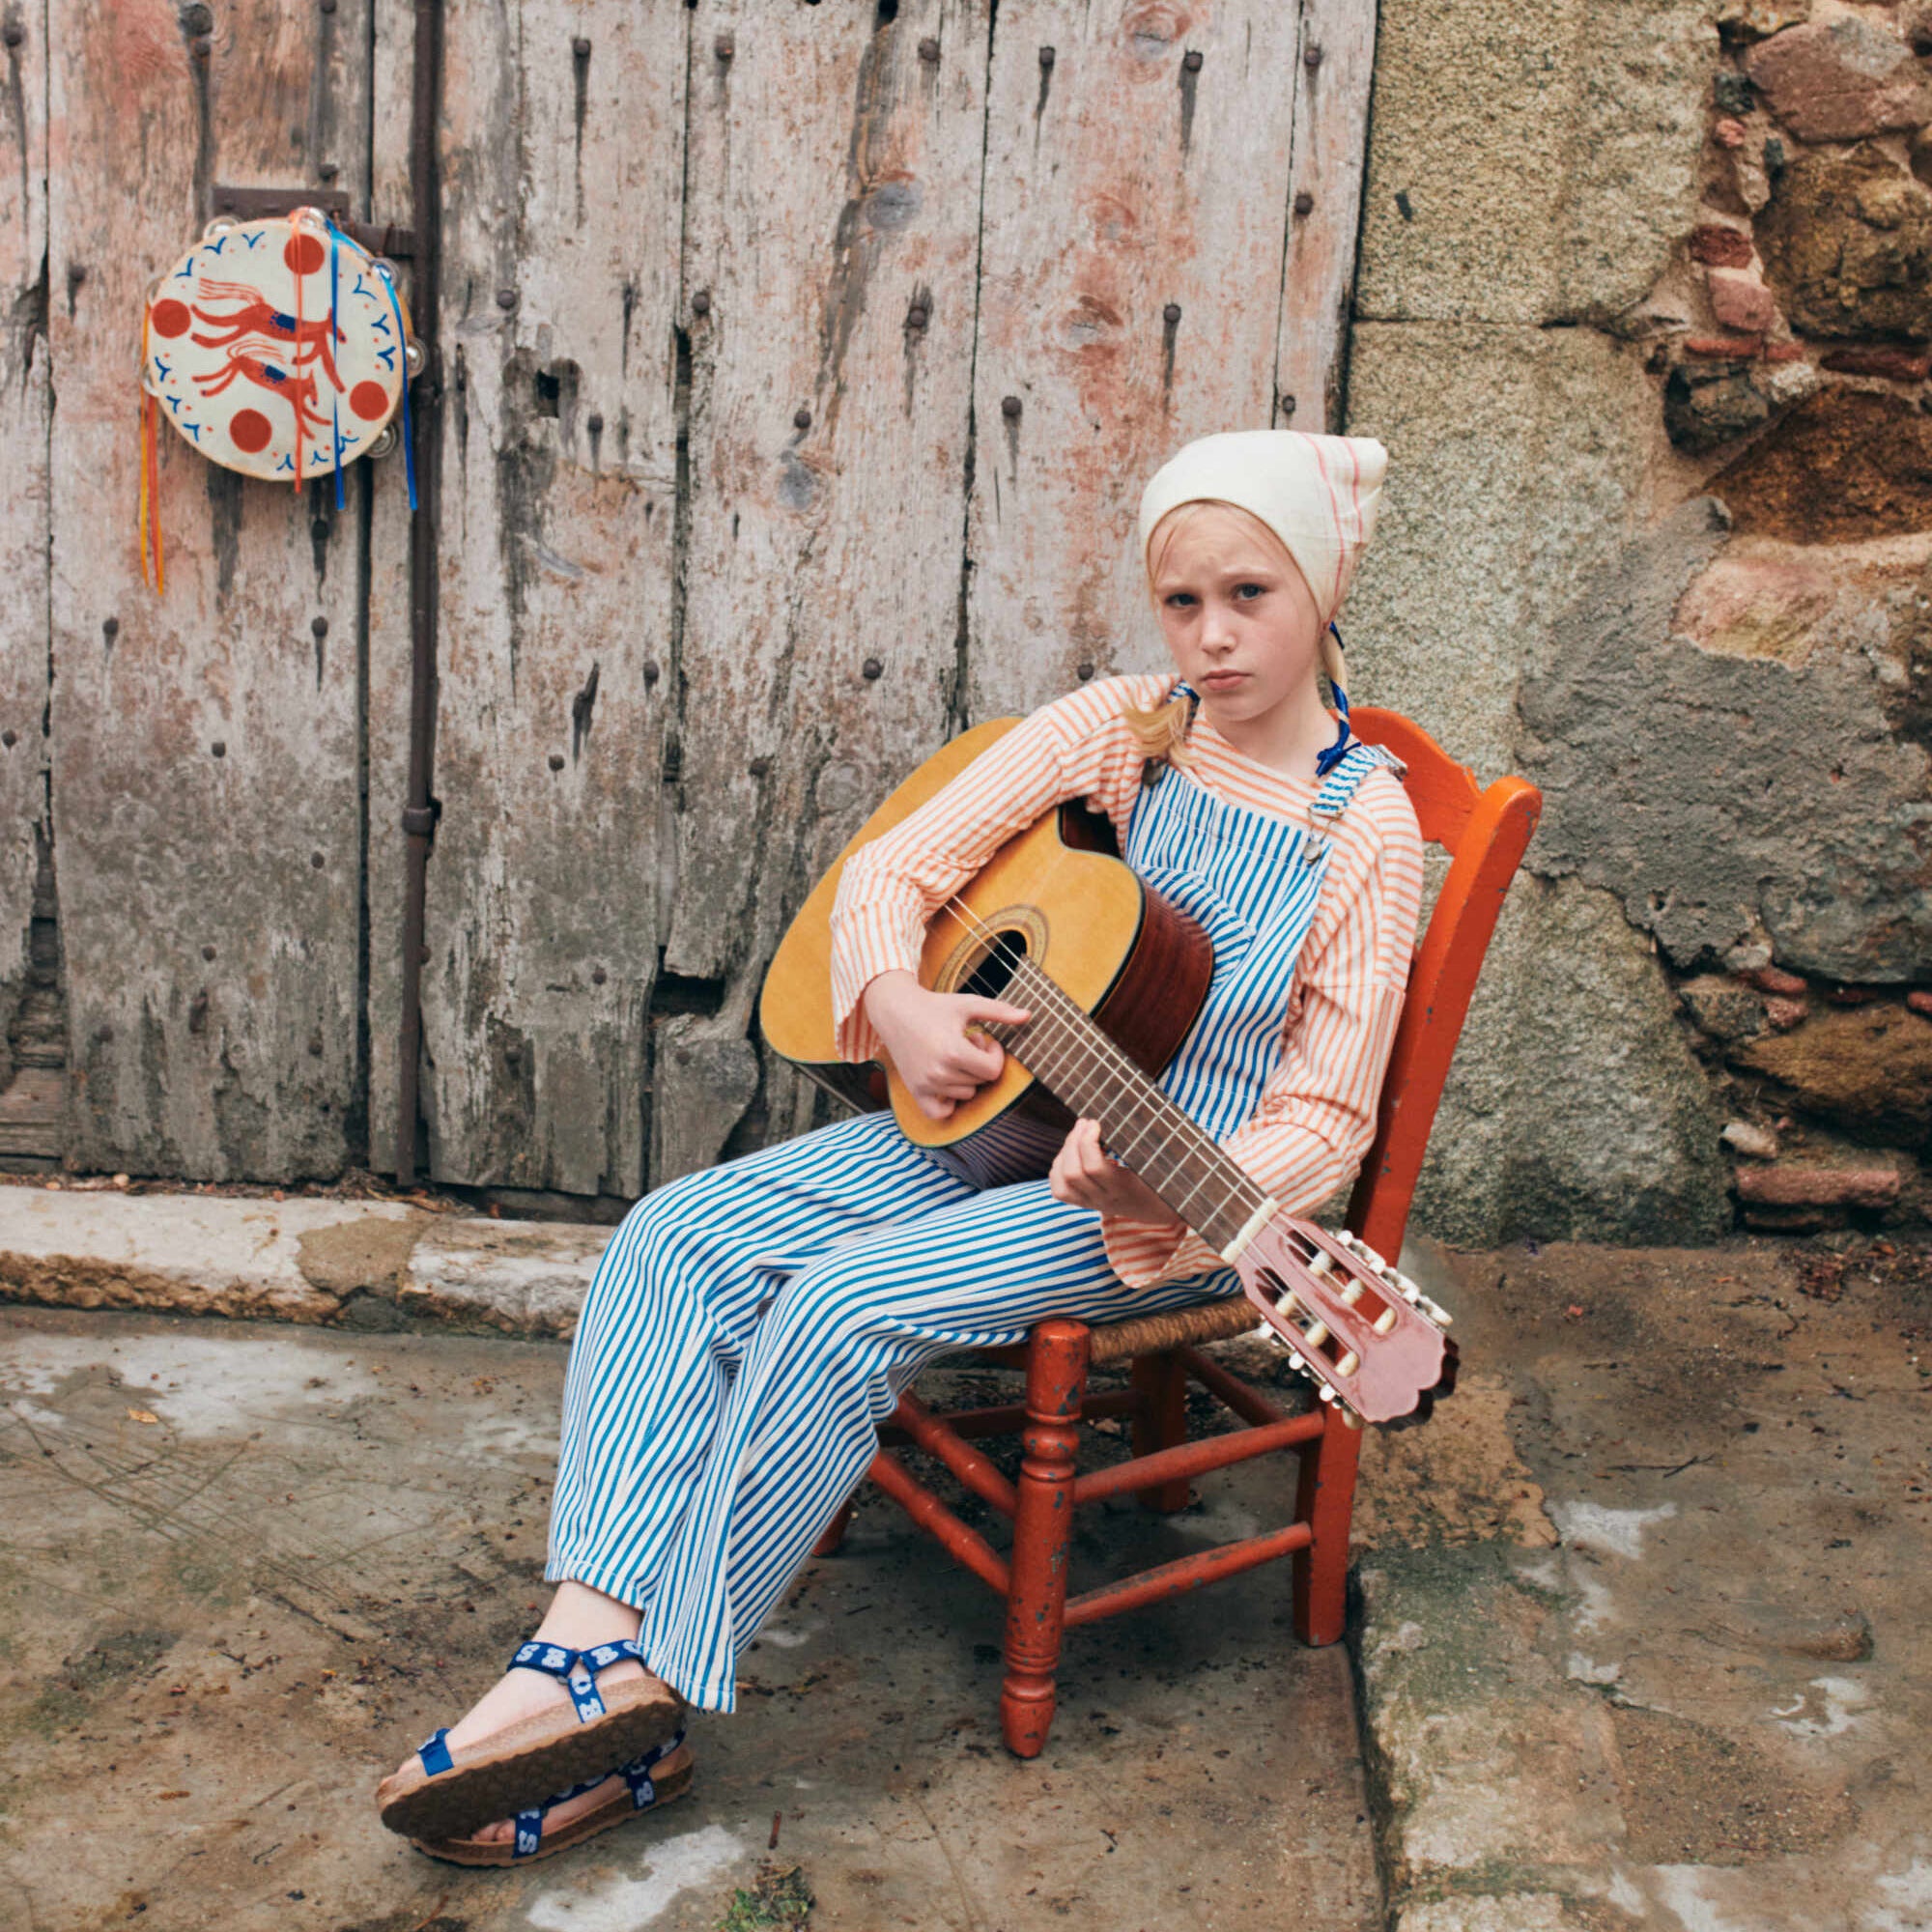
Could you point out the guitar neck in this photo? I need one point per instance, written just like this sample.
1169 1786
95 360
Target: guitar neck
1068 1053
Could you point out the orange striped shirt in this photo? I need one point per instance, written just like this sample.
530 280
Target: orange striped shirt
1316 1113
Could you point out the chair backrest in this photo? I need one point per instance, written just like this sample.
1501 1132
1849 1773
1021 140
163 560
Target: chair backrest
1485 832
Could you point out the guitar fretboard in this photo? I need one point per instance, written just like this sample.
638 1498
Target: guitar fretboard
1065 1050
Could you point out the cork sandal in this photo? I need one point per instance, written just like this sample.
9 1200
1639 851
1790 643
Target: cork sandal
443 1790
643 1793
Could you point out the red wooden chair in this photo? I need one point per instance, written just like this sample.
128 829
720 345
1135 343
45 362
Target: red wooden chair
1485 832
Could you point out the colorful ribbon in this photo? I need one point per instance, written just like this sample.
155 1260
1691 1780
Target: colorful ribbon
403 350
1327 761
151 474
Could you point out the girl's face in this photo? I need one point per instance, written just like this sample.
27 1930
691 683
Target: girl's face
1237 614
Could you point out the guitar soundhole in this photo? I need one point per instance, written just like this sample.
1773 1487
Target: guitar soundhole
990 975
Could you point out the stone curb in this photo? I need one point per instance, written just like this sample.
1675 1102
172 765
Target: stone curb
371 1264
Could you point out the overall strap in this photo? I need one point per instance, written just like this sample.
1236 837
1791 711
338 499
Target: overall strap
1338 790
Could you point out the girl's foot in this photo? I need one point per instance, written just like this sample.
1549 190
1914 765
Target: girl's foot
579 1617
559 1815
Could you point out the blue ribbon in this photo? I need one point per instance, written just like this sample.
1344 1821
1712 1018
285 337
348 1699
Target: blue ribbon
403 350
1327 761
334 421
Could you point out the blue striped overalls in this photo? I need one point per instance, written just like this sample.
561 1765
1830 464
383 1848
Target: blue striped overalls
749 1328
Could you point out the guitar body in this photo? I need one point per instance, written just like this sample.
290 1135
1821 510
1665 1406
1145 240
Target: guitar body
1054 892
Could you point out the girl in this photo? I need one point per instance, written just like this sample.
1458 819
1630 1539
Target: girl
750 1327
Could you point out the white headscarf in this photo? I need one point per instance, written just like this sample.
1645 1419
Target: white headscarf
1319 494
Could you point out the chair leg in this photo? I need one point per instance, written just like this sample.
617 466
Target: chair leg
835 1532
1042 1527
1161 1422
1324 1499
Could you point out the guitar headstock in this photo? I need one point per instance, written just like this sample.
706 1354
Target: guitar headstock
1358 1328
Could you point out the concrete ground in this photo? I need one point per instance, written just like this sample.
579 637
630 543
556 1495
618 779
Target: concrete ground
249 1565
1639 1642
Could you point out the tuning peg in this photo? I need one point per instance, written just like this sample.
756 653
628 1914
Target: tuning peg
1434 1310
1348 1364
1385 1322
1349 1418
1287 1303
1327 1393
1353 1292
1316 1334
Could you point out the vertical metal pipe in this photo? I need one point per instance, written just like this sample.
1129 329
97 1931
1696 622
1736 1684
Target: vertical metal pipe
419 815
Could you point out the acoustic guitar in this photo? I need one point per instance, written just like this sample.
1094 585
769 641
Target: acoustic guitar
1113 977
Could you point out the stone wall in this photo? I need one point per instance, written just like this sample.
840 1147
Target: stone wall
1644 315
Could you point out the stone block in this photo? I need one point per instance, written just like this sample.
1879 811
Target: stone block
1717 246
1747 21
1879 359
1547 151
1869 1068
1797 1184
1840 79
1574 1109
1738 300
1846 240
1505 1912
1708 405
1516 463
1721 1009
1693 786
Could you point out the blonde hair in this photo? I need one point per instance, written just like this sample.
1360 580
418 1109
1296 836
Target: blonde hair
1162 731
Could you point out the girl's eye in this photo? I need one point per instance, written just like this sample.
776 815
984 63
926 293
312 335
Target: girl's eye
1179 597
1255 587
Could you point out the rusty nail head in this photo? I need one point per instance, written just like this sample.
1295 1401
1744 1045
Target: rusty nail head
207 953
1312 56
759 767
320 626
871 667
700 302
1305 203
319 530
1084 669
1046 56
594 423
316 860
111 627
598 976
556 761
506 298
929 49
580 48
1191 59
724 47
327 170
1010 406
650 671
1171 312
315 1045
917 315
219 750
202 47
15 32
9 737
1288 406
800 420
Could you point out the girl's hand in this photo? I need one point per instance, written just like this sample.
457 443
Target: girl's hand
926 1037
1085 1176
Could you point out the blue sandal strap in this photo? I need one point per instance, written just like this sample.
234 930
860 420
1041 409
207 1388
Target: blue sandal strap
435 1755
637 1772
576 1669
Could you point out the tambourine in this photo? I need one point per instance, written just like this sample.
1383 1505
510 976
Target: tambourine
278 347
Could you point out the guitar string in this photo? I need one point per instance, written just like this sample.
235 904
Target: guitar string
1112 1063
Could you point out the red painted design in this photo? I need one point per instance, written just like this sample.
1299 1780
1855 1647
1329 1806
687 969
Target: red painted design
369 401
304 254
170 318
250 429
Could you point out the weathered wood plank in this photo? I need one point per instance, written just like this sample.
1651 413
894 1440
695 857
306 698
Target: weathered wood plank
386 706
1332 83
563 157
832 222
1129 300
209 900
26 407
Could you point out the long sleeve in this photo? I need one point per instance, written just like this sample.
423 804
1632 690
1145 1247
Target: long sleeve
1317 1114
1077 747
